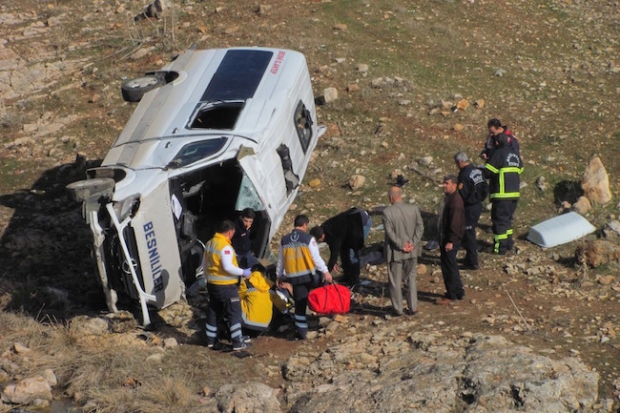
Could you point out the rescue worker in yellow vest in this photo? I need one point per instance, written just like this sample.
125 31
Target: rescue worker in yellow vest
301 265
256 305
223 272
503 170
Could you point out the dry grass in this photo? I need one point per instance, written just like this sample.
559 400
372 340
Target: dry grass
108 373
441 48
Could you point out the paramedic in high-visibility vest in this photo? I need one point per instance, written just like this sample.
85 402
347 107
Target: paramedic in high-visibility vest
223 272
503 170
301 265
256 304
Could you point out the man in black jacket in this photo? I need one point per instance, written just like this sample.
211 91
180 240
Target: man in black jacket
242 240
473 189
503 171
345 234
451 230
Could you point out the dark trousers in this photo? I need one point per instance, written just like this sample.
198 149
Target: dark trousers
451 274
300 295
224 301
350 259
247 260
472 215
502 214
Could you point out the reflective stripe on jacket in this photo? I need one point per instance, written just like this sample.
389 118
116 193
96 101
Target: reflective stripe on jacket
296 257
213 261
504 171
256 305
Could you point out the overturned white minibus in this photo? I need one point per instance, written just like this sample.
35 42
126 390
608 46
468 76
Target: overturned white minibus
214 132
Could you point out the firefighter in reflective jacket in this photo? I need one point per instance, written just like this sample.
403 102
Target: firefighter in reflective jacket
223 272
503 170
256 305
301 265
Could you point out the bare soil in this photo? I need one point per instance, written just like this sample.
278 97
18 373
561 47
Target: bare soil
558 93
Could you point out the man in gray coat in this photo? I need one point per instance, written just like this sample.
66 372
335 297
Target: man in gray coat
403 234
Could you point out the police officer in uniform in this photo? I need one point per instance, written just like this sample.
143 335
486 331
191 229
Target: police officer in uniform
301 265
503 170
223 272
473 189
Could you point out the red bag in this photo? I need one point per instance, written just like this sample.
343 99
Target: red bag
330 299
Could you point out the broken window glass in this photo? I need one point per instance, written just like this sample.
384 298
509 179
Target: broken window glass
217 115
303 125
248 196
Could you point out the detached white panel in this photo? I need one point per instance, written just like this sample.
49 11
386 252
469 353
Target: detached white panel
560 230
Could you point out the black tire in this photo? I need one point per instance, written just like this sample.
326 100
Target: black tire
82 190
133 90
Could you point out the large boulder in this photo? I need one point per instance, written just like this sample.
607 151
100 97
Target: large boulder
250 397
382 371
595 182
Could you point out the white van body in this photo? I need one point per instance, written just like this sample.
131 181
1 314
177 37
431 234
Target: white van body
228 129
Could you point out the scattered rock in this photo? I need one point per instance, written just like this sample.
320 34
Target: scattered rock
49 375
340 27
170 342
479 104
446 104
598 252
595 182
314 183
377 83
362 68
500 72
606 280
311 335
422 269
20 348
462 104
458 127
564 206
356 182
582 206
353 87
263 9
541 183
155 358
489 373
330 94
143 52
250 397
32 390
611 231
425 161
84 325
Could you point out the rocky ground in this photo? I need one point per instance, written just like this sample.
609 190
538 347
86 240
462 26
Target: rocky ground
407 84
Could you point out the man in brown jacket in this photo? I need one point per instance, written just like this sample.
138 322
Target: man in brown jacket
451 231
403 233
